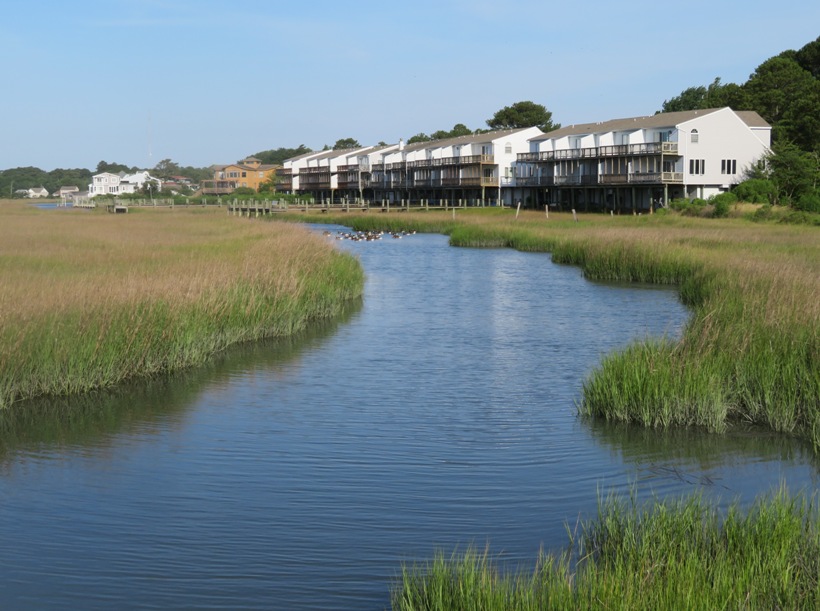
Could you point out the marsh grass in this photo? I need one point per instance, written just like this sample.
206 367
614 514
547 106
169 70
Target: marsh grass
751 349
88 300
676 554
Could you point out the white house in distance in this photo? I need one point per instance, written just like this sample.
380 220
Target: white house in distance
639 162
108 183
36 192
32 193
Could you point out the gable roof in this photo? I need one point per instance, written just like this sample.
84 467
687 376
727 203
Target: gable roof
664 119
468 139
341 152
247 168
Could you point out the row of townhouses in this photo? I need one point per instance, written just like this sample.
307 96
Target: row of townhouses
620 164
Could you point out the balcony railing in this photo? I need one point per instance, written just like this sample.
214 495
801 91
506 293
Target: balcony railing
617 150
603 179
217 187
567 180
614 179
676 177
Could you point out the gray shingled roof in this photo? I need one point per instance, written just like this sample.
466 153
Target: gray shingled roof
483 137
665 119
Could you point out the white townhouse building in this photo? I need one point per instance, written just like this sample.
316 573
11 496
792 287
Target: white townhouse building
320 173
289 175
118 184
474 168
637 163
478 167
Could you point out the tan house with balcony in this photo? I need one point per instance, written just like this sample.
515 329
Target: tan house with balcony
249 172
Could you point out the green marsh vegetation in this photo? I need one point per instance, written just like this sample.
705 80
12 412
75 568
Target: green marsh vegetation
89 300
677 554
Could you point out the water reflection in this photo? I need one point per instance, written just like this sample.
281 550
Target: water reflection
104 417
738 464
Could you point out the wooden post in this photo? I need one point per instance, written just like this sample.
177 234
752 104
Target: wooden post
517 209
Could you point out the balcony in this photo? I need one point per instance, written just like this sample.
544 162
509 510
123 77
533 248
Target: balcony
217 187
467 160
567 180
673 177
421 163
619 150
614 179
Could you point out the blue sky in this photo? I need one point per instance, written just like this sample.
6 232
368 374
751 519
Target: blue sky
203 82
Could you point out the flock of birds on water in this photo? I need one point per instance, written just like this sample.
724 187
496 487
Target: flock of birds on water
368 236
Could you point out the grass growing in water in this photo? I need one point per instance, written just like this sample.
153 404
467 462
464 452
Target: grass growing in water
88 300
670 555
751 350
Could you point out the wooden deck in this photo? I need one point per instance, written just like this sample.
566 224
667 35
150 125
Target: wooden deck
253 208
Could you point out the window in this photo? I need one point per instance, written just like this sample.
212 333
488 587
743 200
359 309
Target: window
697 166
693 137
244 174
728 166
508 149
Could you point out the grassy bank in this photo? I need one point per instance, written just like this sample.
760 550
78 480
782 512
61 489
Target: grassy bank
668 555
90 299
751 350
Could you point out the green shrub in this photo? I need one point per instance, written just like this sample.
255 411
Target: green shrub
799 217
686 207
722 202
808 202
755 191
764 213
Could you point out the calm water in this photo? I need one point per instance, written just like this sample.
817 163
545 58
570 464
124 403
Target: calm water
300 475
